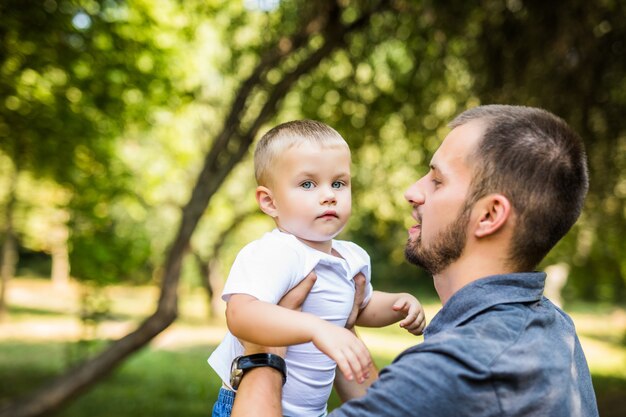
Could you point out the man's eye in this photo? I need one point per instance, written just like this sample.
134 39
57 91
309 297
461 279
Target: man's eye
307 185
436 182
338 184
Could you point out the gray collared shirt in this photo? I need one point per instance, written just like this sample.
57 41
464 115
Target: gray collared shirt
497 348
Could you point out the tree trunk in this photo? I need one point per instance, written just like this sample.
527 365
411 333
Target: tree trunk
213 284
212 281
229 147
9 255
60 273
216 281
7 270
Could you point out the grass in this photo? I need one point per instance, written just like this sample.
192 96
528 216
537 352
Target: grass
40 339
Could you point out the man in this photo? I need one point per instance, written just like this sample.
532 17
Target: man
504 187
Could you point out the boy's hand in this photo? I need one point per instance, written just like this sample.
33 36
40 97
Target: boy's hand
346 349
414 320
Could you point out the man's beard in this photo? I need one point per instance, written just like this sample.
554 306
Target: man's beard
446 247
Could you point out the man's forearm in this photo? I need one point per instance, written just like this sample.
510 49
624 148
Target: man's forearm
259 394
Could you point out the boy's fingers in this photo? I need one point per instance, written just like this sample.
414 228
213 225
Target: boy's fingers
400 305
345 368
357 364
295 297
364 358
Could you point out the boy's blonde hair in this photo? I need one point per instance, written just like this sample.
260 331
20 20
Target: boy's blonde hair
286 135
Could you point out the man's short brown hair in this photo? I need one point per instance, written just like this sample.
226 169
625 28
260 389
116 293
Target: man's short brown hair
539 163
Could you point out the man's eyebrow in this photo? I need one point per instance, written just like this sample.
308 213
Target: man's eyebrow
437 171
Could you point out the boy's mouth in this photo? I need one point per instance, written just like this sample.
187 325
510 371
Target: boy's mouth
328 214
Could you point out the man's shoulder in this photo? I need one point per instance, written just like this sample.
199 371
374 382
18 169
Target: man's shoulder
481 338
498 336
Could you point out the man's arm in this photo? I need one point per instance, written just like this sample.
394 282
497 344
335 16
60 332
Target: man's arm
347 390
259 393
271 325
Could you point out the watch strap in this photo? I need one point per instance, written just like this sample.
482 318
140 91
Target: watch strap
247 362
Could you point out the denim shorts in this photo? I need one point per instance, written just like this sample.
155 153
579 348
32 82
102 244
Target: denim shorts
224 405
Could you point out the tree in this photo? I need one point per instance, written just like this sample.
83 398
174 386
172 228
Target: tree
388 75
209 269
72 76
318 30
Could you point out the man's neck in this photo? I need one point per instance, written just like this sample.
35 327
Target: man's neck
465 271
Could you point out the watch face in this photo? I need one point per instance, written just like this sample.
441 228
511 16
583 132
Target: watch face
235 374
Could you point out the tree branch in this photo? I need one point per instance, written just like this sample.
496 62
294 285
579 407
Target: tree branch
218 164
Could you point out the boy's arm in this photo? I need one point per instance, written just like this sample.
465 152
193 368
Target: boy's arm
386 308
271 325
268 324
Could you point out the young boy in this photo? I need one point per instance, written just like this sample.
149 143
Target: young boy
303 174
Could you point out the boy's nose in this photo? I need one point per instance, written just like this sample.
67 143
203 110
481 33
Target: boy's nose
328 196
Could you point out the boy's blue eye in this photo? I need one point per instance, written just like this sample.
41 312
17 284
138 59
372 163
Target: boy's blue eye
307 185
337 184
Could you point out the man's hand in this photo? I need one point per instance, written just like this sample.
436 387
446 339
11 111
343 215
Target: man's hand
292 300
359 297
347 350
340 344
346 389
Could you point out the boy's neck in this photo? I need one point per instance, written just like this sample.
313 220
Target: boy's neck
325 246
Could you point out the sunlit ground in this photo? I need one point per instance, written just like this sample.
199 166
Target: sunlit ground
43 315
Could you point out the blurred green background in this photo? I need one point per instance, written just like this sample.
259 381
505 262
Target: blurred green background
126 184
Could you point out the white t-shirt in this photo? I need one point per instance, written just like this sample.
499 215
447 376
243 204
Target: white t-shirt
267 269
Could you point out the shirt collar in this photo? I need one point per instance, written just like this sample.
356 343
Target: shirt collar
485 293
315 256
306 248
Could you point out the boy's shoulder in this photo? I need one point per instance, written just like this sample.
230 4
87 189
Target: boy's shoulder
273 244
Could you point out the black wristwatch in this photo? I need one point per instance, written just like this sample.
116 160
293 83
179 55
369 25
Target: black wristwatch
243 363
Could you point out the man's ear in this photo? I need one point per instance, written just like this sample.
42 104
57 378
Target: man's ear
266 201
495 211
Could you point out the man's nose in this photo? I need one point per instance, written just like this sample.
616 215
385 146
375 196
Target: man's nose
414 195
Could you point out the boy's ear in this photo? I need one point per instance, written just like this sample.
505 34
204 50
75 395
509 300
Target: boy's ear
494 212
266 201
